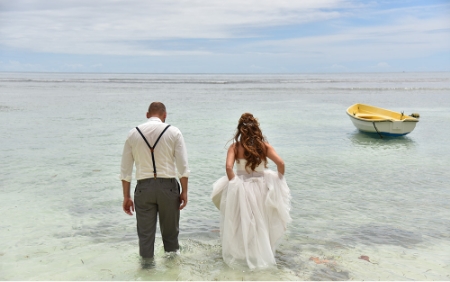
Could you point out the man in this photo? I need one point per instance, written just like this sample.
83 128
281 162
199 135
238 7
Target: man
159 153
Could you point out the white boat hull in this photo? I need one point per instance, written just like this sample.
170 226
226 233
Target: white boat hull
388 128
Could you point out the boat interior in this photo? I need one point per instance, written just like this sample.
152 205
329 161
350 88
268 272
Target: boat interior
366 112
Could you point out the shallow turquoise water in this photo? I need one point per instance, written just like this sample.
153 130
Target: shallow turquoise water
353 194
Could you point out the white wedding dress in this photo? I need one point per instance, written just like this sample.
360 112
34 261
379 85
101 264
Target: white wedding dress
254 209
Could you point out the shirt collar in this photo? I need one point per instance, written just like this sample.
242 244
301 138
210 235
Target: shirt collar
155 119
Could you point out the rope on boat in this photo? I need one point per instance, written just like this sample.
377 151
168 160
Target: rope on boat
377 130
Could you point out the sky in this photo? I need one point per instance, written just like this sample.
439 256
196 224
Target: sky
227 36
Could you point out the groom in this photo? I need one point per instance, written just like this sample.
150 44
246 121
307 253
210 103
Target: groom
160 156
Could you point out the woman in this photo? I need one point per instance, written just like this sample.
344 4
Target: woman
254 202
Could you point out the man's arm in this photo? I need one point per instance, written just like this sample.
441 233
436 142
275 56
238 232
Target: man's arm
126 167
181 157
128 206
125 174
184 192
181 162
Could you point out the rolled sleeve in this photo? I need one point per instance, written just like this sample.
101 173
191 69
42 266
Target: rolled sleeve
126 169
181 157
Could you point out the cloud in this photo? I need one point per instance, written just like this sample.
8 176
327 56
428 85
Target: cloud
383 65
338 68
74 66
402 38
132 27
259 35
13 65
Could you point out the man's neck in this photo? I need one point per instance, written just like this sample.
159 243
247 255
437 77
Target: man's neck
156 117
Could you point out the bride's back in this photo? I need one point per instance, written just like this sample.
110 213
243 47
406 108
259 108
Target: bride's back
240 150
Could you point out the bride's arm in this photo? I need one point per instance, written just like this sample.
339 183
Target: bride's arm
273 156
230 162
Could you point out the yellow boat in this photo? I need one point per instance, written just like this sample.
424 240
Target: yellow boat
372 119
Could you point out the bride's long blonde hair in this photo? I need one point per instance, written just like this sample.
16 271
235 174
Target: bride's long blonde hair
249 135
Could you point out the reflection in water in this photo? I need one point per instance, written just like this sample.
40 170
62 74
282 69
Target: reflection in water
147 263
372 139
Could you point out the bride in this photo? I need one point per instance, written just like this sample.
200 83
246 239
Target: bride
254 202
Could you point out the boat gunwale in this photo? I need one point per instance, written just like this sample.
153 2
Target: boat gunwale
407 118
383 120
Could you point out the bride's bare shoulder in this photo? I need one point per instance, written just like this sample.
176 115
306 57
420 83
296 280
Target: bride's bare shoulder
235 145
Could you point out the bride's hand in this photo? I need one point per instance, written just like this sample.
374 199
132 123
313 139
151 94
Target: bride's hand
280 175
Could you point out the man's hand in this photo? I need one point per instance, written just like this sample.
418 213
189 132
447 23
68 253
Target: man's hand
183 200
184 192
128 206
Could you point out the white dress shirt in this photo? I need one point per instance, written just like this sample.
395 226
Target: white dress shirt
170 152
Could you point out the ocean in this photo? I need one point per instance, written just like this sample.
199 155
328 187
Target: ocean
363 207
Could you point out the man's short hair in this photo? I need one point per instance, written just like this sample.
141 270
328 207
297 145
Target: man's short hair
157 108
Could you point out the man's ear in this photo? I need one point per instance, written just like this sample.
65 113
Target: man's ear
148 115
164 116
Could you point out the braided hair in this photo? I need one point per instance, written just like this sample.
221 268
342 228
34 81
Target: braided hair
249 135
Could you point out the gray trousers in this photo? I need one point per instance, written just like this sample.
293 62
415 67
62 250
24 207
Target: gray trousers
152 197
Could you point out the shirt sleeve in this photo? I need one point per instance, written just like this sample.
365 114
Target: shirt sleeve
126 169
181 158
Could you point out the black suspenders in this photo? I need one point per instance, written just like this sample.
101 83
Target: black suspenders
153 148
